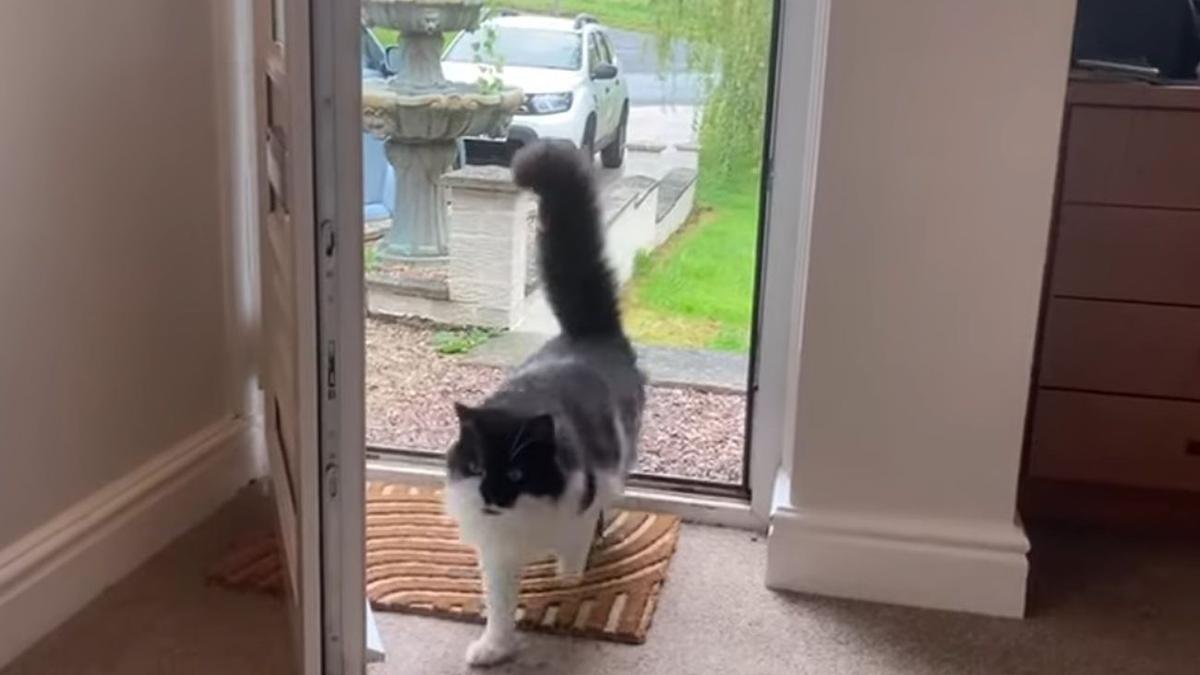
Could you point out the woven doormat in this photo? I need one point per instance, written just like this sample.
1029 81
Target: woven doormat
251 565
417 565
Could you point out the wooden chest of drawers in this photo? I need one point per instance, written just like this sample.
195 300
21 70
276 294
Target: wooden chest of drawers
1115 416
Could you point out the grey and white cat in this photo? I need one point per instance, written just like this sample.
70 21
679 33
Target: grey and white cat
538 461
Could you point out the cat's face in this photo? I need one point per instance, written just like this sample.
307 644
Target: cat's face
509 455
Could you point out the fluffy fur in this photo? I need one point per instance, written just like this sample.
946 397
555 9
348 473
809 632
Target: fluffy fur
537 463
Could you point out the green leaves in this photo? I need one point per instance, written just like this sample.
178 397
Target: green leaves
449 342
491 64
730 44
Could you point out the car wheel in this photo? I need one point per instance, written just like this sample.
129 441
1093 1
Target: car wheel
613 156
588 144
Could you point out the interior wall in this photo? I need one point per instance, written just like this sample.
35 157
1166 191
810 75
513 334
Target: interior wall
938 150
111 285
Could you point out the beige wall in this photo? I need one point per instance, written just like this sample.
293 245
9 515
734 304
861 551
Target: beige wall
110 264
938 150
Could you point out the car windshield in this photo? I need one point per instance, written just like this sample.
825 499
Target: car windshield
529 47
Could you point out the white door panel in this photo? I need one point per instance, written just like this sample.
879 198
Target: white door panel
288 353
310 198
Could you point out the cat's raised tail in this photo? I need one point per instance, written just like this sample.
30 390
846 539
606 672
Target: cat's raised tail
578 280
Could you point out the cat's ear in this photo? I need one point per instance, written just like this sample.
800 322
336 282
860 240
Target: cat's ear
465 413
468 419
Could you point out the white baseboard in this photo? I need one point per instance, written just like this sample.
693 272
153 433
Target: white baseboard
54 571
969 567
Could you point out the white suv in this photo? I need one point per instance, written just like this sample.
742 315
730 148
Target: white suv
569 74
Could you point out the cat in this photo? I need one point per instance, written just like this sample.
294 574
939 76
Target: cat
537 463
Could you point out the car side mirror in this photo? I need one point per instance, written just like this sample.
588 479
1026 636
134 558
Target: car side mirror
604 71
392 58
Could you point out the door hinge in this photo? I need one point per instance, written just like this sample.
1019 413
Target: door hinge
331 479
331 370
330 237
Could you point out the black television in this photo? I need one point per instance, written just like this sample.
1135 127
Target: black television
1162 34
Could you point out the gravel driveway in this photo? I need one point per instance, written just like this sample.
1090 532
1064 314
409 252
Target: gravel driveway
411 389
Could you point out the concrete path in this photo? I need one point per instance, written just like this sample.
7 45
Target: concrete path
663 125
702 369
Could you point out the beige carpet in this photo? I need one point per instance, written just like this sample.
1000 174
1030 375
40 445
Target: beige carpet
1098 604
163 619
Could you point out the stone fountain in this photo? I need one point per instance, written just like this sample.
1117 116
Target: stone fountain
420 115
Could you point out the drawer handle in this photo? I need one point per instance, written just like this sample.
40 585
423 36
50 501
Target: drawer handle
1192 448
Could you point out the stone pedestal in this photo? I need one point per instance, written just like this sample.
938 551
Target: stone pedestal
418 231
490 222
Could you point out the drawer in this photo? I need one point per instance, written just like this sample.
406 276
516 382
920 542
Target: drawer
1128 254
1116 440
1133 157
1119 347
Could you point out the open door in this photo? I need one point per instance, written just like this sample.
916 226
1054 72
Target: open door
312 392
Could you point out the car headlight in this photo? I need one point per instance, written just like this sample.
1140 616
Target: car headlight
545 104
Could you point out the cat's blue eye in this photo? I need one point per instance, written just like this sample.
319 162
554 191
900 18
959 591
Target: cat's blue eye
515 475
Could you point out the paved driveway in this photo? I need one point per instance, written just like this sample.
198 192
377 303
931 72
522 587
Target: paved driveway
648 84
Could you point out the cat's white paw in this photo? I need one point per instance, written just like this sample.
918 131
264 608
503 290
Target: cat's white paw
489 651
571 568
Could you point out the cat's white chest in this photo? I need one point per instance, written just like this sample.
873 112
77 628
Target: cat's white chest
532 528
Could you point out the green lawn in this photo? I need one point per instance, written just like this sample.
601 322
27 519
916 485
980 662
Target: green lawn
697 290
628 14
386 36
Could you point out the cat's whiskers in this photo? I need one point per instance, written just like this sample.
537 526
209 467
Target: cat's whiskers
516 451
517 445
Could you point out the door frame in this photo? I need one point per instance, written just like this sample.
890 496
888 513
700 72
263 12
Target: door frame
336 78
802 28
336 95
795 91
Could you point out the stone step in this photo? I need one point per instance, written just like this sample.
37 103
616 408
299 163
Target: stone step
672 188
703 369
621 194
